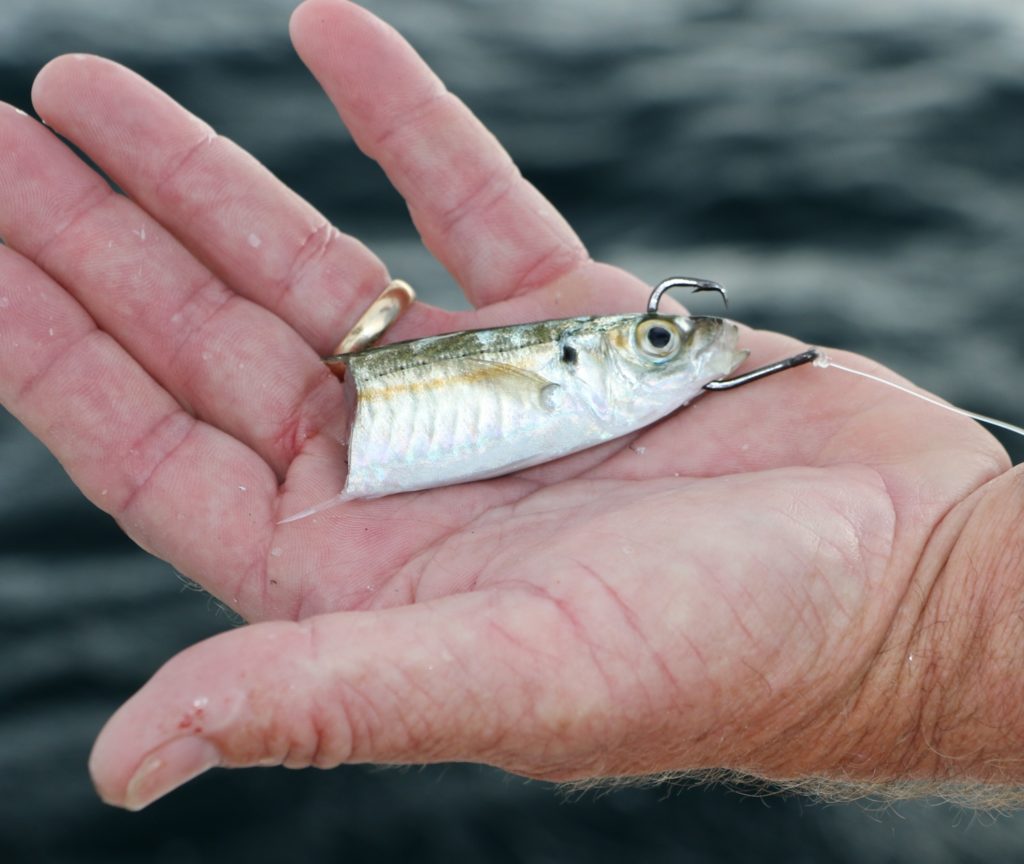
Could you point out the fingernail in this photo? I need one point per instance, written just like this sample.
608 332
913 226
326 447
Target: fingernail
167 768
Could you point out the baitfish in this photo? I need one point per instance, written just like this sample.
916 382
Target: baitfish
477 404
481 403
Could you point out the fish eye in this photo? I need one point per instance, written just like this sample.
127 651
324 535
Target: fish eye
658 339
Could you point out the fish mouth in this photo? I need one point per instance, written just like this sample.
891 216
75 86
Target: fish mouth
714 333
717 343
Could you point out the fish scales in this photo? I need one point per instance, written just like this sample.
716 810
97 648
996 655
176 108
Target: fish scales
456 408
476 404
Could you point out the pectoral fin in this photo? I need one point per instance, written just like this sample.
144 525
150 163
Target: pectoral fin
549 394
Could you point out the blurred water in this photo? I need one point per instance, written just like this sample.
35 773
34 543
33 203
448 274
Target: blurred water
853 172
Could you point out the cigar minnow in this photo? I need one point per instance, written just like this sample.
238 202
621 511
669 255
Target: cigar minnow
477 404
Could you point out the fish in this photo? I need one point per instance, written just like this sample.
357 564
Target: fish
478 404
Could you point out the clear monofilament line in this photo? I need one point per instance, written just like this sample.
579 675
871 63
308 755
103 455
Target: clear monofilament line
823 361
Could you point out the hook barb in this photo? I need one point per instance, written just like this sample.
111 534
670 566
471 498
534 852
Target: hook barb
683 282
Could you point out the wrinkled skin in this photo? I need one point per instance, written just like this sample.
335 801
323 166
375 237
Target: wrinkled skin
741 592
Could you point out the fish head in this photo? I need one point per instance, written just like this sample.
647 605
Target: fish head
663 361
667 346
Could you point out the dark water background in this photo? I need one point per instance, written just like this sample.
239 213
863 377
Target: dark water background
854 174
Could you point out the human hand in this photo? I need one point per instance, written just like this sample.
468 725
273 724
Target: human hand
743 594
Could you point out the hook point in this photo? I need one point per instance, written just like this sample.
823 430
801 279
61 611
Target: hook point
684 282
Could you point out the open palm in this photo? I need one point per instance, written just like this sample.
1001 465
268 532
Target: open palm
709 593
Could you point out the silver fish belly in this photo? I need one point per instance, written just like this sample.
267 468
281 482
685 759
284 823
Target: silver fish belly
477 404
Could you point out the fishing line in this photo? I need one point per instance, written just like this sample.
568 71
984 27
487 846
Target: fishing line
823 361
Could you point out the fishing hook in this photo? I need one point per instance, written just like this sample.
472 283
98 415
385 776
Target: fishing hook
800 359
808 356
683 282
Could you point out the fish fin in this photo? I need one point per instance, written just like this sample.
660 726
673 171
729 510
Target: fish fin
551 397
546 388
524 374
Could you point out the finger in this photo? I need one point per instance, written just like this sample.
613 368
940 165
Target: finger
180 488
229 361
503 678
241 221
493 231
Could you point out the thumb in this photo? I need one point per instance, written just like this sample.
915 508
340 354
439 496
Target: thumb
459 678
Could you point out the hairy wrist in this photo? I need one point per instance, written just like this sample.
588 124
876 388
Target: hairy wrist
942 709
969 645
